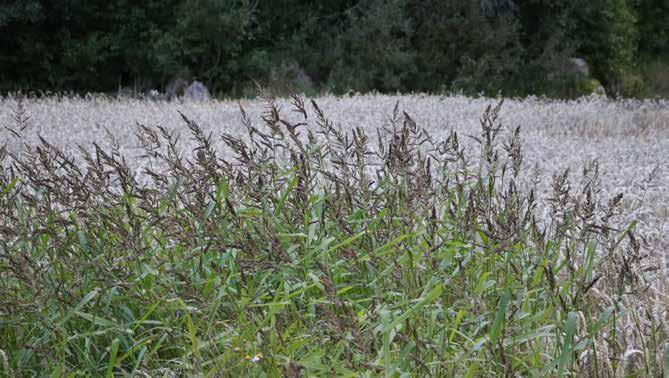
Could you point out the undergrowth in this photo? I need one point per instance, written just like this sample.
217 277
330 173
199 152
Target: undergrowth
317 252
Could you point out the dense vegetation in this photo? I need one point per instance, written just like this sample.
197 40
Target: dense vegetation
517 47
304 250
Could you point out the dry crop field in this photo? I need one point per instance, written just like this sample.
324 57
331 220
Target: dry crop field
348 236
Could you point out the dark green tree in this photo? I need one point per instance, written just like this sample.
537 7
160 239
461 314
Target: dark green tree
608 35
371 49
653 24
463 45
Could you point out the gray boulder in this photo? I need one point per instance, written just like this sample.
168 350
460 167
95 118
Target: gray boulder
154 95
289 77
197 91
175 88
579 66
299 76
126 92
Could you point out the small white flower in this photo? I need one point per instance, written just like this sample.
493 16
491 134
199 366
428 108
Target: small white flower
254 359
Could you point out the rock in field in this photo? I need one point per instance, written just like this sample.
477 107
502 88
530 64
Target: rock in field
579 66
175 88
197 91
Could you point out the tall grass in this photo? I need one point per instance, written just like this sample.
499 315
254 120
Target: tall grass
305 250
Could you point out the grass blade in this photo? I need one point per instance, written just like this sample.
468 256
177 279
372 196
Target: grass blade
498 323
112 358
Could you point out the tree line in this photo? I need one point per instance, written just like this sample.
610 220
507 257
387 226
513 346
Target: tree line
512 47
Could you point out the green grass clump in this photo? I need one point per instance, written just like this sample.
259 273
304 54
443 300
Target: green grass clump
305 251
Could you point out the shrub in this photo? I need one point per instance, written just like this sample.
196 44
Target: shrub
656 75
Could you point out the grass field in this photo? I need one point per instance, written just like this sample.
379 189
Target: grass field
356 236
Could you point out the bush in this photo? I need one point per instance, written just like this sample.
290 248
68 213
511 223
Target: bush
656 75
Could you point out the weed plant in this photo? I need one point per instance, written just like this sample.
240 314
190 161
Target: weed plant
306 250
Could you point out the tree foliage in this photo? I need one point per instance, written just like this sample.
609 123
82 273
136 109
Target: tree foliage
515 47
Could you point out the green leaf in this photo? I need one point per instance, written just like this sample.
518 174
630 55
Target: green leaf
282 200
99 321
87 298
83 240
347 242
590 258
112 358
544 331
192 333
603 320
567 350
209 210
140 357
497 324
666 360
9 187
456 324
429 298
384 249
